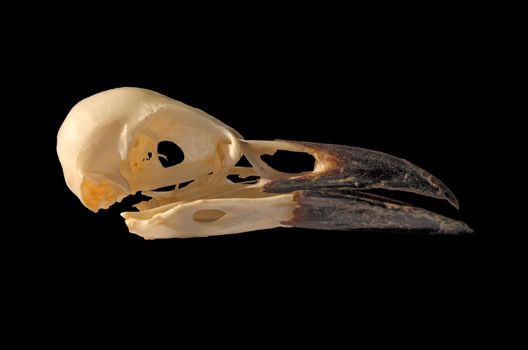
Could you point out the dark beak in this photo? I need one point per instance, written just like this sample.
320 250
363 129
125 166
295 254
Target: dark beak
334 196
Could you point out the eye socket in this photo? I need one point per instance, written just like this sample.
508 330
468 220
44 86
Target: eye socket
170 154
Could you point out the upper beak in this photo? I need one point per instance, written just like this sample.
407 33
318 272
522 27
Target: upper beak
332 196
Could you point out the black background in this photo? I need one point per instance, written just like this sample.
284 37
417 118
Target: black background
412 87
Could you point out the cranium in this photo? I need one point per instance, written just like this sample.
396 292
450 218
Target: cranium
112 145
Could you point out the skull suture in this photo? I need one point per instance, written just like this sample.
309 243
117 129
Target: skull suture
111 146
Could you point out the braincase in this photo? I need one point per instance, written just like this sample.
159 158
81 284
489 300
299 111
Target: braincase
120 136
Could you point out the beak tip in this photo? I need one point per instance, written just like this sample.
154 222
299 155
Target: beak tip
452 199
455 227
467 229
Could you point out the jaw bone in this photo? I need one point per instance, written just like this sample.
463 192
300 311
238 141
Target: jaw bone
109 148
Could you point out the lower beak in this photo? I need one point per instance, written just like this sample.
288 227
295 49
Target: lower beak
332 196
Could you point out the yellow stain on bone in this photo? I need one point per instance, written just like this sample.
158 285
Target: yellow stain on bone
98 195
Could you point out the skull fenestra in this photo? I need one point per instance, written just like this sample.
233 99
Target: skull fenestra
116 143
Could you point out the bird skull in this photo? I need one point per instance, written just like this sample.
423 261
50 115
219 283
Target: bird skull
121 141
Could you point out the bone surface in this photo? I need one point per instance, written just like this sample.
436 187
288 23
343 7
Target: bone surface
128 140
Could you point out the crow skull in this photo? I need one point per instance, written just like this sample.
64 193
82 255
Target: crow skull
115 143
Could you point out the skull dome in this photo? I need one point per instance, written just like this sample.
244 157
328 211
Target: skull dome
109 145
